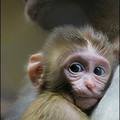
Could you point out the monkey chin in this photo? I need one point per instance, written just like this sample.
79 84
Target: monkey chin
86 103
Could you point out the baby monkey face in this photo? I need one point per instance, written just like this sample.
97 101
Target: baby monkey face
76 63
87 72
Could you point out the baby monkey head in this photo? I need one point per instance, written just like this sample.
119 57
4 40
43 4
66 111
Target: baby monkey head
76 62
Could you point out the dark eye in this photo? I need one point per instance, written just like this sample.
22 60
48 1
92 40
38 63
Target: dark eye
76 67
99 71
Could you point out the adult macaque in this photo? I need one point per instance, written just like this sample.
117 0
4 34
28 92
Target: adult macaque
71 74
101 14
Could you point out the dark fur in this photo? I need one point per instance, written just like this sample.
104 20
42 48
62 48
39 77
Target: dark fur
101 14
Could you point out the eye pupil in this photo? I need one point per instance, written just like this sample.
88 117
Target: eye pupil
99 71
76 67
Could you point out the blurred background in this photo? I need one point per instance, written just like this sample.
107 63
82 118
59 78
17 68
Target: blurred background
19 39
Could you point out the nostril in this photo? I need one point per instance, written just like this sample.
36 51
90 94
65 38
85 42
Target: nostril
90 84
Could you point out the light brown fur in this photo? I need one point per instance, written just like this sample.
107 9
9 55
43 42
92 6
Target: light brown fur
53 106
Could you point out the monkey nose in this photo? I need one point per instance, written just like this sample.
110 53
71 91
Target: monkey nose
90 84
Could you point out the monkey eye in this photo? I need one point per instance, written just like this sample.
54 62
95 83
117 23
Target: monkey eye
76 67
99 71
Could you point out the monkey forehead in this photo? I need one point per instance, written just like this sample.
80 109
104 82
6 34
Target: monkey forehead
68 36
84 54
63 53
69 39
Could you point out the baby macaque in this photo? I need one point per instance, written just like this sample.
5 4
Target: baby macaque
71 73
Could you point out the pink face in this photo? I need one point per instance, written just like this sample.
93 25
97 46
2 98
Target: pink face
88 73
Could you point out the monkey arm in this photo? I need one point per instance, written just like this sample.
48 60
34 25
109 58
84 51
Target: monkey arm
51 106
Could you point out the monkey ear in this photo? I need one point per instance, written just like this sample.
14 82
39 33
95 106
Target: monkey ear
35 68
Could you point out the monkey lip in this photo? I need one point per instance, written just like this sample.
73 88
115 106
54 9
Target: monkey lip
88 96
98 97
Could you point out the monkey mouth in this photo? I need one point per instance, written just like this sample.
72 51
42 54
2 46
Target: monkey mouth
88 97
85 96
